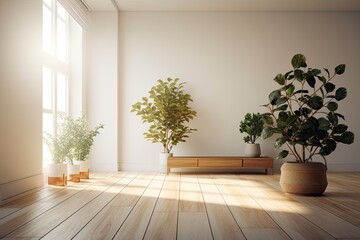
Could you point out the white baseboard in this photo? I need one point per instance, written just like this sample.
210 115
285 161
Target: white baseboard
13 188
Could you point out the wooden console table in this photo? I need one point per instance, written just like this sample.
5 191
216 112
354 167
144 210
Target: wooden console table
221 162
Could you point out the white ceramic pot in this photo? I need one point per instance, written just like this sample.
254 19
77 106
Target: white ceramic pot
84 168
73 172
252 150
57 174
163 162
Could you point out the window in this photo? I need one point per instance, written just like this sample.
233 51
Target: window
60 32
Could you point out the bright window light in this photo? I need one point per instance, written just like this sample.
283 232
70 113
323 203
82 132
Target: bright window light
47 88
61 92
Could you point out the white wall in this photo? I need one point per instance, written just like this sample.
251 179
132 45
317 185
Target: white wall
228 61
20 96
101 85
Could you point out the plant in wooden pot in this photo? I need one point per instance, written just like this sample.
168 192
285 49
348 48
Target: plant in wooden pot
59 145
82 139
167 110
252 125
304 111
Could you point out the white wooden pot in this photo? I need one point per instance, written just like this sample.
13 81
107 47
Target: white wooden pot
84 168
252 150
73 172
57 174
163 162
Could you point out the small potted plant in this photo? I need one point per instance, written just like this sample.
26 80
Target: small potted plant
82 139
304 112
167 110
252 125
59 145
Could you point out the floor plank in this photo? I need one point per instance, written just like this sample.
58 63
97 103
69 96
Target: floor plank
147 205
193 225
67 229
105 224
222 222
162 226
136 223
265 233
191 199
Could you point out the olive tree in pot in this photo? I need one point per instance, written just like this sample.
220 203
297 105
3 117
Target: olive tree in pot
82 139
167 110
252 125
304 111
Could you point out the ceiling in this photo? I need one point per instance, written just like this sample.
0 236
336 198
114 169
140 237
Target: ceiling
223 5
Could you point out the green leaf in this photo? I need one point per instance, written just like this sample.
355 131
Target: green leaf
283 116
281 108
281 100
315 102
298 73
311 80
298 61
267 119
329 87
301 91
291 119
283 154
333 119
327 71
325 150
331 144
340 69
347 137
323 124
280 141
267 132
274 96
340 93
341 128
332 106
290 89
287 74
280 79
340 116
314 71
322 79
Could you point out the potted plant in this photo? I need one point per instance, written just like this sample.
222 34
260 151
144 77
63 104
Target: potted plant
82 139
59 145
304 111
252 125
167 110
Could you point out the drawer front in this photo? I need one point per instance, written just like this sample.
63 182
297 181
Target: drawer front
182 162
258 162
218 162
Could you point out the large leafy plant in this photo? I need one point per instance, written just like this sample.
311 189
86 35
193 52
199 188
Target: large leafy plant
304 111
252 125
167 110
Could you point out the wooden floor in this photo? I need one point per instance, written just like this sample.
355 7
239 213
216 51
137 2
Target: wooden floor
128 205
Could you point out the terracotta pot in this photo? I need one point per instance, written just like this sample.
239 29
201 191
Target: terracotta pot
303 178
252 150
